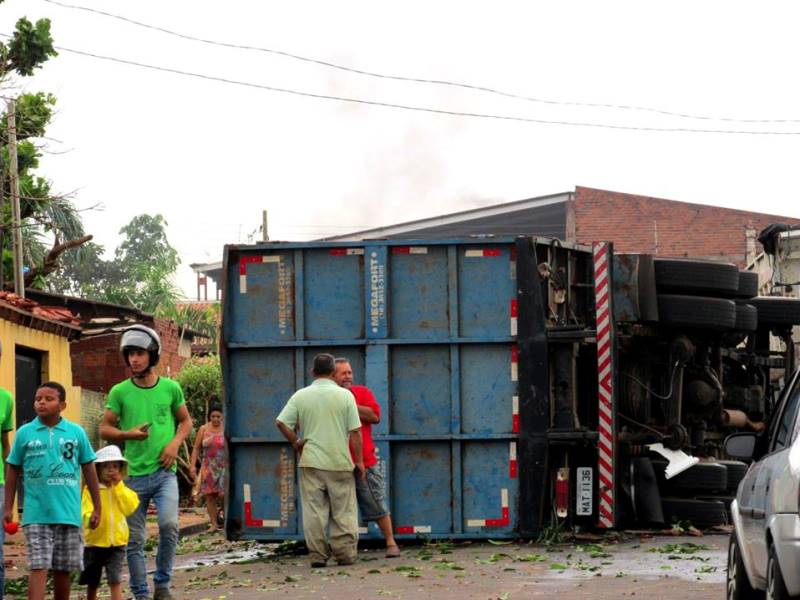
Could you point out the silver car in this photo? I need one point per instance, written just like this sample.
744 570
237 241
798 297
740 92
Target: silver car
764 549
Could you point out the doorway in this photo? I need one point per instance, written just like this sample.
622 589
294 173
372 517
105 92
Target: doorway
28 378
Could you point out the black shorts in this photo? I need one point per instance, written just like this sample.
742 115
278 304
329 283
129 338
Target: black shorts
95 558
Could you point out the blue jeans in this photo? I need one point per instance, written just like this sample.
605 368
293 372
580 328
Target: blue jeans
162 488
2 558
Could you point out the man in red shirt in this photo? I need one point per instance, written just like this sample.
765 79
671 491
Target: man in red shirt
370 490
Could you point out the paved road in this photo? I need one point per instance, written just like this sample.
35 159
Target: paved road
662 567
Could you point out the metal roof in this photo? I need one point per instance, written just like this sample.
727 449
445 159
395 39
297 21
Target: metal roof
543 216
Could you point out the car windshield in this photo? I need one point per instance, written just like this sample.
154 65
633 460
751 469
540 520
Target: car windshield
786 430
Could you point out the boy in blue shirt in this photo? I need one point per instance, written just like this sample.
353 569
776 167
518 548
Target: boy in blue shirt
51 452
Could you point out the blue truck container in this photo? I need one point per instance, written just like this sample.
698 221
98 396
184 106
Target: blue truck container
522 381
429 326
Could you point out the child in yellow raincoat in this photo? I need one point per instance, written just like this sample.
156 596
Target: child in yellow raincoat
105 546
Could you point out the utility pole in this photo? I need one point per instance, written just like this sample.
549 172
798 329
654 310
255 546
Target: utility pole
2 212
264 233
16 229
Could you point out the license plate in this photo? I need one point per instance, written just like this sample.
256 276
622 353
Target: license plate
585 488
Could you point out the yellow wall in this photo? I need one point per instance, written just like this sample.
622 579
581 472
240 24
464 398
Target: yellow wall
56 362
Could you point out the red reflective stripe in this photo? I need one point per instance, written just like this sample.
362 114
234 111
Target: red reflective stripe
514 354
401 250
514 309
601 299
338 251
606 514
503 521
605 365
512 469
513 253
600 251
515 424
244 261
402 530
249 521
491 252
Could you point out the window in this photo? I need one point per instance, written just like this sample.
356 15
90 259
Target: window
787 430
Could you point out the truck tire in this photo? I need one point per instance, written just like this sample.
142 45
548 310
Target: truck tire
703 477
696 311
748 284
776 310
687 276
746 317
737 583
700 513
726 502
736 472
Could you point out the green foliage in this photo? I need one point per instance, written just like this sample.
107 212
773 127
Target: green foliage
45 219
33 113
146 248
139 275
84 273
30 46
201 380
145 263
200 318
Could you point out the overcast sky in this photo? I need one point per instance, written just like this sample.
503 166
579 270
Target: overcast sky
210 156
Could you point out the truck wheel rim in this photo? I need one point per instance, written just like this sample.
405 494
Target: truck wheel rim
732 572
770 578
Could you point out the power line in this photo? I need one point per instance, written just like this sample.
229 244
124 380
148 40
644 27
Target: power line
499 117
441 82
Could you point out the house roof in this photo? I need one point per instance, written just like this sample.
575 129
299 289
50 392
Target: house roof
89 313
542 216
27 313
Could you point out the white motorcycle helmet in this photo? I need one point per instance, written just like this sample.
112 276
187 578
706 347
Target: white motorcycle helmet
140 337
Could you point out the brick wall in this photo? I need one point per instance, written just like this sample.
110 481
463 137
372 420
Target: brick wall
666 227
97 363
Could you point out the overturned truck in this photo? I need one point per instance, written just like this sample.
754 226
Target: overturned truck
522 381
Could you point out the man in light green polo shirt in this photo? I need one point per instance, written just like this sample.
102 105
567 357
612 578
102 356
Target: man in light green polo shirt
328 417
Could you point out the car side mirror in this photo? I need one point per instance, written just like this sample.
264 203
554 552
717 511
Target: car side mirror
741 446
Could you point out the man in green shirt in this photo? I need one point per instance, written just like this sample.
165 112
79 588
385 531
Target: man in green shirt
148 414
328 417
6 425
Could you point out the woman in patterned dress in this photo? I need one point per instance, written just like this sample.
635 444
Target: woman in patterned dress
210 447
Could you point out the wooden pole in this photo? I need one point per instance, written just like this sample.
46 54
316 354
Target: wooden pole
16 220
2 212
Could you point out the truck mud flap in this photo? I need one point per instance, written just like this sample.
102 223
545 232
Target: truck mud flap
644 490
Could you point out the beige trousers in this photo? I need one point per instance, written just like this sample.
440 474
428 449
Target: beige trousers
329 499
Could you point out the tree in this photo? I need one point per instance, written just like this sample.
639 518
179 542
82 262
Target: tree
84 273
50 225
201 381
139 275
203 319
147 262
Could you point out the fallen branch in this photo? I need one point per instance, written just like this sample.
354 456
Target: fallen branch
50 263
